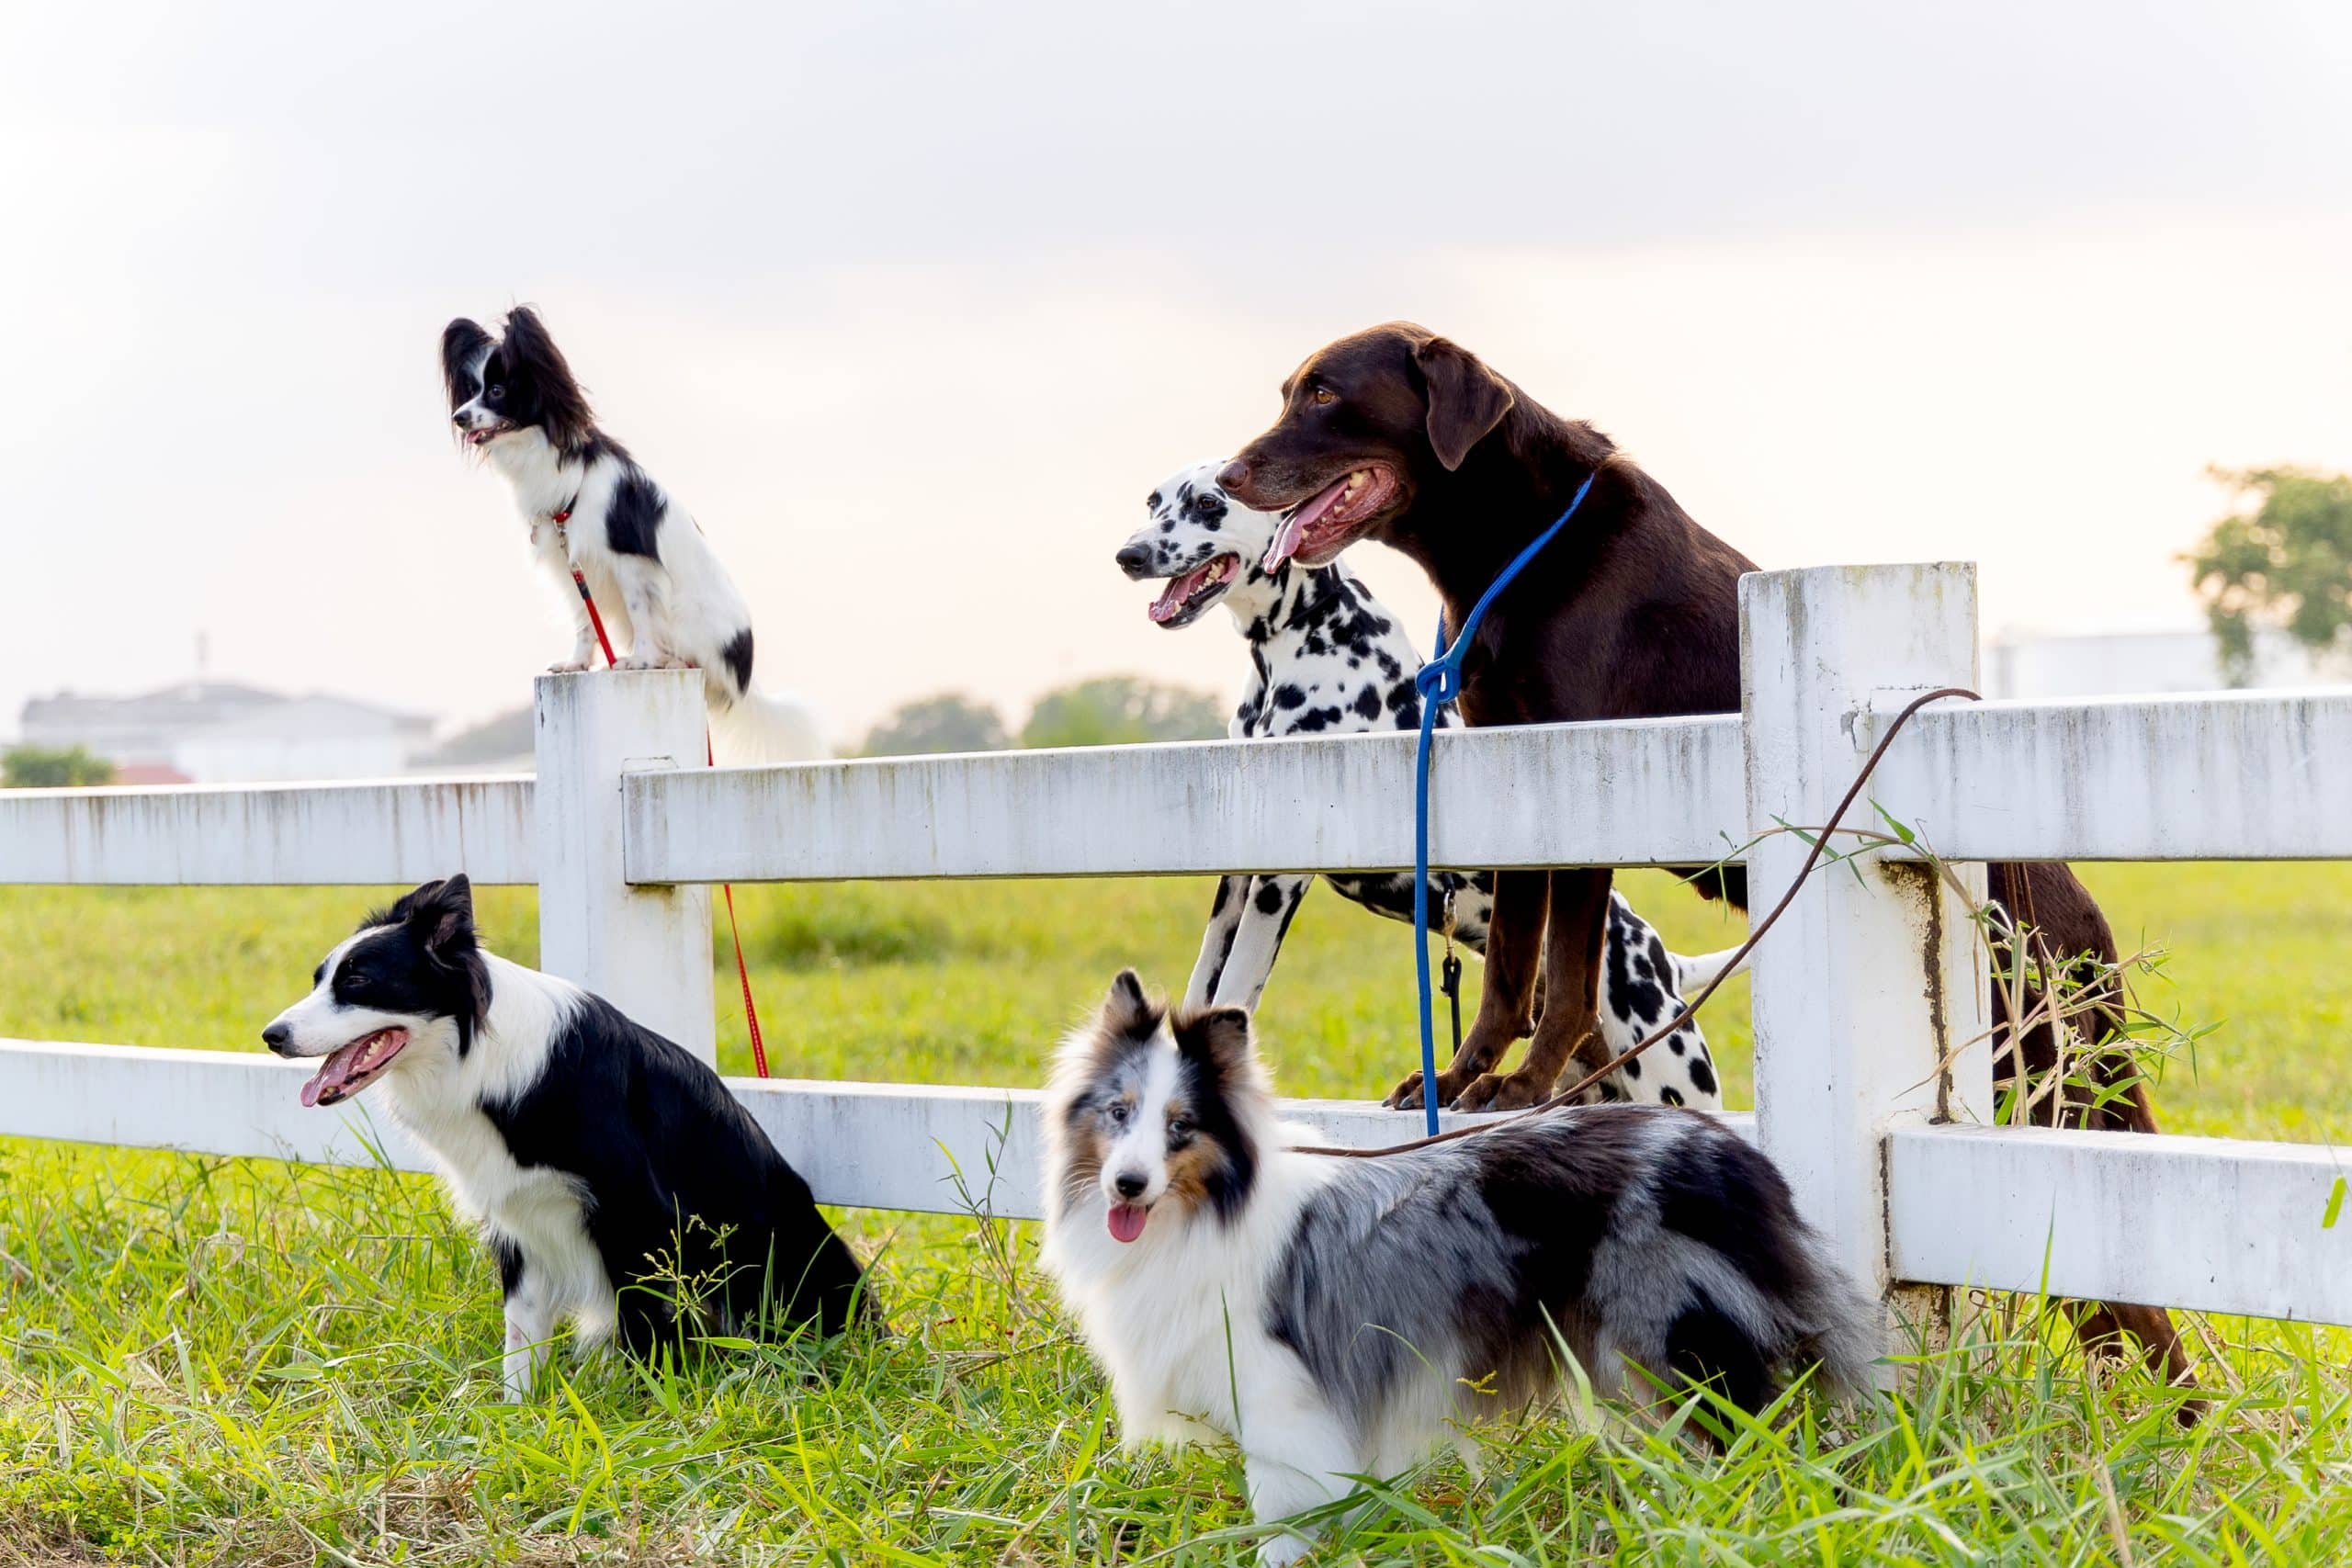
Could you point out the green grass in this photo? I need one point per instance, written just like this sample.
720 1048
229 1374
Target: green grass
236 1362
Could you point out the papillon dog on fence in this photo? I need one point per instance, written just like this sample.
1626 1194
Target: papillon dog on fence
617 1182
1333 1315
665 599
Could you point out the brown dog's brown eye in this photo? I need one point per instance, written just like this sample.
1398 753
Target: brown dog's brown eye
1325 395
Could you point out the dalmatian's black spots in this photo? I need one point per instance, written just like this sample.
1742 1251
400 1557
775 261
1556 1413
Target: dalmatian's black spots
1702 1075
1675 1042
1289 696
1633 1070
1669 1095
1628 993
1314 721
1224 896
1270 898
1367 703
1206 507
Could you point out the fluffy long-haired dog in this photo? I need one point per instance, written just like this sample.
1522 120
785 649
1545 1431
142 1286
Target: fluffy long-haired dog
1331 1315
617 1182
665 599
1326 657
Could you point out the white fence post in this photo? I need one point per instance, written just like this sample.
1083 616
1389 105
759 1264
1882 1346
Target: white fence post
1867 989
645 949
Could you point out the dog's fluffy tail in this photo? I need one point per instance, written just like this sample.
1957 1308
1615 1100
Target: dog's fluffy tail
757 728
1693 972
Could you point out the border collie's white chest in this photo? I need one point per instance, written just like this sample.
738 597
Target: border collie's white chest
542 1213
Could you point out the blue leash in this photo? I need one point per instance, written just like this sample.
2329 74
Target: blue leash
1440 683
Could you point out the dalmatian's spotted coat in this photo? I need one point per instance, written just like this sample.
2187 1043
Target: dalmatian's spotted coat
1328 657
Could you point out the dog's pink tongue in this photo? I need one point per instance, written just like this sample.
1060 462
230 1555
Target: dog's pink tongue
1127 1221
1304 516
332 1074
1172 598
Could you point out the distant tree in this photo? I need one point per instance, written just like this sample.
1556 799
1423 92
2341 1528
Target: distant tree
2287 562
948 722
50 767
496 739
1115 710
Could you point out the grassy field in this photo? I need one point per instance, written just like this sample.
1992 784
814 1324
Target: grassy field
242 1363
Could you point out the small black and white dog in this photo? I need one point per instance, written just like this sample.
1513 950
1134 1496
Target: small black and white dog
1334 1315
617 1182
1327 659
665 599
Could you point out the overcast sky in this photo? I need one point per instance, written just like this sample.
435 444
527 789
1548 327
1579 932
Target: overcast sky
912 305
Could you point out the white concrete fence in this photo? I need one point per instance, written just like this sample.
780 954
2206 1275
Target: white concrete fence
1873 1080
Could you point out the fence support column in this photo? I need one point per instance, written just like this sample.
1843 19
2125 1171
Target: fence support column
645 949
1867 990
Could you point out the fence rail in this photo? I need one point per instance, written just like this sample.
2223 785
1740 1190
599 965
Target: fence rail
1874 1083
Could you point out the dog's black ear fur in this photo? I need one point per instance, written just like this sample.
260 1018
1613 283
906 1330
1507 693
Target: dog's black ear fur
530 353
461 341
1220 1038
1127 1011
1466 400
441 915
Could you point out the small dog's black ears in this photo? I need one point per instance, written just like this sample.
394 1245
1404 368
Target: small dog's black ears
462 342
442 916
1126 1010
532 357
1466 400
1219 1037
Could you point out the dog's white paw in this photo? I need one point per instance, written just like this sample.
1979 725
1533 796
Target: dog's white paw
638 661
567 667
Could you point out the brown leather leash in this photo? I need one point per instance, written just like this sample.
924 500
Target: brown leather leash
1689 1009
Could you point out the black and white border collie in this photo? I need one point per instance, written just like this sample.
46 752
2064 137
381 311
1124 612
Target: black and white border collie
1327 659
618 1183
1333 1315
666 600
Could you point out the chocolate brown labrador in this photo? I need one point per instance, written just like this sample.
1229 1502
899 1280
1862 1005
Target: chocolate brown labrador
1399 435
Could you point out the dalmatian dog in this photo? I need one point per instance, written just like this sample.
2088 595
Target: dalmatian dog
1327 659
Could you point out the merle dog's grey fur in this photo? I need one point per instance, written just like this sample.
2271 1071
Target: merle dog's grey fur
1642 1235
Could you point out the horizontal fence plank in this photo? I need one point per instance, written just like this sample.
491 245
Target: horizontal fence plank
2215 1224
1650 791
859 1145
2243 775
386 831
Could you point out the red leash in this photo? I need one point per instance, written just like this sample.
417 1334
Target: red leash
726 890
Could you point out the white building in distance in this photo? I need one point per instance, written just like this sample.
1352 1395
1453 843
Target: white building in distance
2103 664
217 732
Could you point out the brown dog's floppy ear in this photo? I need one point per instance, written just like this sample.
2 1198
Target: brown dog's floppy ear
1219 1037
1466 400
1126 1010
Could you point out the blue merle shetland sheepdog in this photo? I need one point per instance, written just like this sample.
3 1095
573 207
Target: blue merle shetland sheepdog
1332 1315
665 599
617 1182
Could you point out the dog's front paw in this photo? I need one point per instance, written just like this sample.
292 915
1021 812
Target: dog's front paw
1502 1091
568 667
1406 1095
638 661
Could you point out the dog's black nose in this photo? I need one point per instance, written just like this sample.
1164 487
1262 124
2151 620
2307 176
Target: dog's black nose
1130 1185
277 1037
458 419
1134 559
